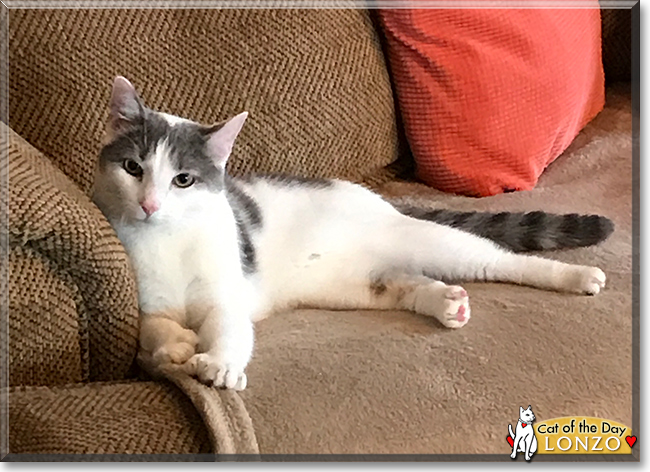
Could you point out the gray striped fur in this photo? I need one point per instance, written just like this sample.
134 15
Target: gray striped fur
523 232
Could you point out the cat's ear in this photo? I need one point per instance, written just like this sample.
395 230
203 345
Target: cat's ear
221 138
125 106
529 407
521 410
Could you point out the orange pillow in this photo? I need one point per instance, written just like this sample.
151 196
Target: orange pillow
491 97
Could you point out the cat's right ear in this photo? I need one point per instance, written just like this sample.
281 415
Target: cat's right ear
221 138
521 410
125 107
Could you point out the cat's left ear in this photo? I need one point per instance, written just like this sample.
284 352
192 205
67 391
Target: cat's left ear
125 107
221 138
529 407
521 410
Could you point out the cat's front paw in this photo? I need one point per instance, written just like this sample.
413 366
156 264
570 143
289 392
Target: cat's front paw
586 280
210 371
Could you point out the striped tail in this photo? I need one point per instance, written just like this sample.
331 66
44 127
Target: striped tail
522 232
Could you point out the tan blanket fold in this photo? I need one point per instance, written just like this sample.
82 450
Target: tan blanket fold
224 413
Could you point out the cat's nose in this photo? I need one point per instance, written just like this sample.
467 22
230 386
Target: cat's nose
149 207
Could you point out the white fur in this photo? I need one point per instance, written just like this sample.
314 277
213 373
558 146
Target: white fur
340 246
173 119
324 245
189 272
318 247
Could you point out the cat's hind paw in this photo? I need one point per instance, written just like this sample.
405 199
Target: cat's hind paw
177 353
449 304
456 311
211 372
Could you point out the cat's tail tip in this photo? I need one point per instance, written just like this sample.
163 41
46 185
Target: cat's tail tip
575 230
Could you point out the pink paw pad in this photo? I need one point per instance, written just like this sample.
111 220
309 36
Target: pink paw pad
460 316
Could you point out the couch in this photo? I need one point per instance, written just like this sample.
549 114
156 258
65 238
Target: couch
322 384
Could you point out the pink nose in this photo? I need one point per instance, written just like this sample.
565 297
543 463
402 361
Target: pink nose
149 207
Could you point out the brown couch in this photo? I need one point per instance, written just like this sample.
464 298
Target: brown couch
318 89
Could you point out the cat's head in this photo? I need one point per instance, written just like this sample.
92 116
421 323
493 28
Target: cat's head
155 166
527 415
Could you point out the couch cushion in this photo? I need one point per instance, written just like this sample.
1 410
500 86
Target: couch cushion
491 97
314 81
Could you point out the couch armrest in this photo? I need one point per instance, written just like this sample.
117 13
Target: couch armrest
49 216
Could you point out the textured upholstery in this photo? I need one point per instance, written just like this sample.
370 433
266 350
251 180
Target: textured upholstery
315 83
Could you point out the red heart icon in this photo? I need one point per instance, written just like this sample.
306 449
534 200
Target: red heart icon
631 440
512 441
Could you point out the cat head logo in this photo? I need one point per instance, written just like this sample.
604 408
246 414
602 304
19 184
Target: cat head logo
523 438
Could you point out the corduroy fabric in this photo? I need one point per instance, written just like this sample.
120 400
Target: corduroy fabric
314 81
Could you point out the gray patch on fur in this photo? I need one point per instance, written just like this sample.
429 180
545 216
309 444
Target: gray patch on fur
243 203
187 148
186 141
187 144
378 287
522 232
249 219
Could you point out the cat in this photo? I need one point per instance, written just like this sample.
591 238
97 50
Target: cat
212 254
524 440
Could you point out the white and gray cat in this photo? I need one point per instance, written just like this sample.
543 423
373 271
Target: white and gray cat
212 254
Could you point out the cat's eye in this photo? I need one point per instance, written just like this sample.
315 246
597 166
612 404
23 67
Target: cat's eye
183 180
132 167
